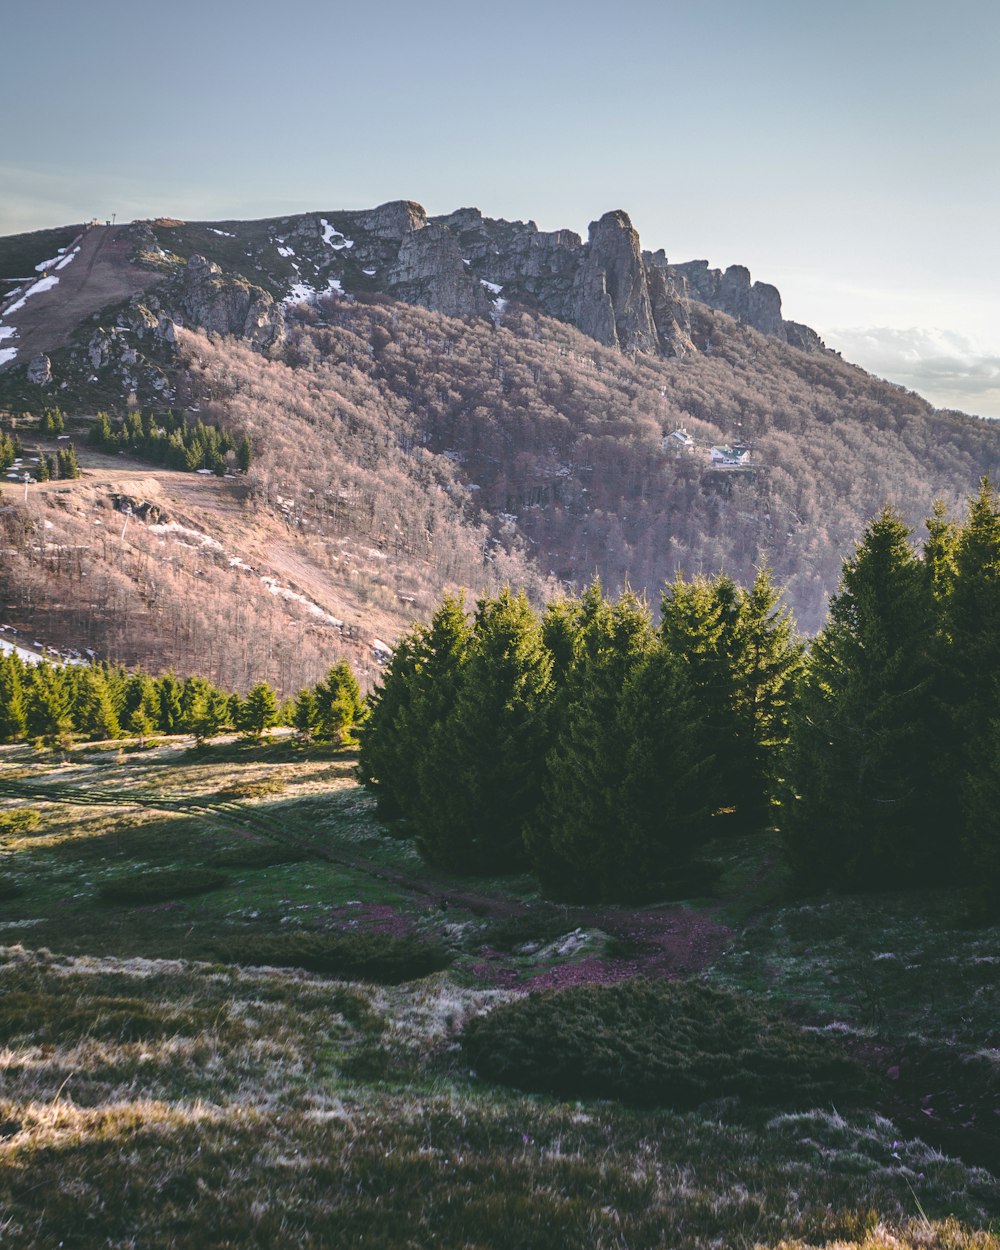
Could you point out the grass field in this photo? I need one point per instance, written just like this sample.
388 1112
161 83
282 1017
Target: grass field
184 1067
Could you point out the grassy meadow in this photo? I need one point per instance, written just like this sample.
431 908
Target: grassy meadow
232 1011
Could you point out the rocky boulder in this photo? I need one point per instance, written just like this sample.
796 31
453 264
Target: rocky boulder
230 304
40 370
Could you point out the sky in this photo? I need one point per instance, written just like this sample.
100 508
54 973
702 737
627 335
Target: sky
847 153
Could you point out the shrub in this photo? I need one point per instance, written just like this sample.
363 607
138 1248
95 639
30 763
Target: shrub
258 855
375 957
21 821
159 887
9 887
669 1044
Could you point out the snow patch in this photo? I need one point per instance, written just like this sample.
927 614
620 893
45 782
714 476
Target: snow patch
224 233
183 531
303 293
490 286
36 288
66 259
285 251
290 596
333 238
6 354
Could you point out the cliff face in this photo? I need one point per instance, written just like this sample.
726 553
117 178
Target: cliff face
463 265
607 286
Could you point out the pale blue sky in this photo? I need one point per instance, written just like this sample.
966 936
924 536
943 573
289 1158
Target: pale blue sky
848 153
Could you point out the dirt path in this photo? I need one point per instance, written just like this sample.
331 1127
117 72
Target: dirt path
100 274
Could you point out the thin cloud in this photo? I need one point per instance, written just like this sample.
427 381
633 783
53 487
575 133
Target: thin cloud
950 370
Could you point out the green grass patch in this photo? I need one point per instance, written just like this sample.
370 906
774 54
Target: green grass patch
646 1043
43 1017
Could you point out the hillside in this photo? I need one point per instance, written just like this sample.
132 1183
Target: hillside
235 1013
433 403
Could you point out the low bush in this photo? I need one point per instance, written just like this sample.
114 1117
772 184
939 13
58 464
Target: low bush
9 887
258 855
670 1044
160 887
376 957
21 821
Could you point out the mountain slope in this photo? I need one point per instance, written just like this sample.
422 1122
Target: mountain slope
457 401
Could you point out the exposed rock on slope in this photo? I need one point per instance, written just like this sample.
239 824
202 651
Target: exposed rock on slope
229 304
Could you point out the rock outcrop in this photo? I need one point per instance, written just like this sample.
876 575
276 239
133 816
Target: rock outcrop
612 302
431 271
228 304
40 370
755 304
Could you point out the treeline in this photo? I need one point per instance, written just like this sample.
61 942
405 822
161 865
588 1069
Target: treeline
599 751
894 760
582 742
52 704
171 440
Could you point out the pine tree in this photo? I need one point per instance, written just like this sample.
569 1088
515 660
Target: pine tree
972 623
338 703
100 434
168 690
259 711
48 710
13 710
867 807
416 694
743 660
480 778
572 840
93 710
305 714
244 454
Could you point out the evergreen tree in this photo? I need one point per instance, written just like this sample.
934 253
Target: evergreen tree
101 434
13 710
259 711
971 614
93 709
480 777
338 703
48 710
572 841
244 454
305 714
743 660
868 804
417 692
169 691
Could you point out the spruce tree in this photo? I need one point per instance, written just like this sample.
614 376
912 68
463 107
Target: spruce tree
415 695
971 613
479 781
13 710
168 690
259 711
305 714
338 703
93 710
744 661
48 705
572 842
866 807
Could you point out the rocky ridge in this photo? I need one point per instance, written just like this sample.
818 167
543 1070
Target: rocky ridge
464 264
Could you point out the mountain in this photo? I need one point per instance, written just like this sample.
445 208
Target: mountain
430 402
